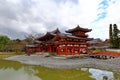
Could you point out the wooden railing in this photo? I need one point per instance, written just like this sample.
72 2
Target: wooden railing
117 54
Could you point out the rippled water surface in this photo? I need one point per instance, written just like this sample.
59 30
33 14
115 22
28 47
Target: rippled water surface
11 70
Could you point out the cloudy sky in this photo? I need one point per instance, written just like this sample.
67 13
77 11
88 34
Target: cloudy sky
21 17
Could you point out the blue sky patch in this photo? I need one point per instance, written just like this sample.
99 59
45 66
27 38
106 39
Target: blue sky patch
101 16
102 6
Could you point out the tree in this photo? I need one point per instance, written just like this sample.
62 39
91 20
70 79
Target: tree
114 36
4 41
16 45
30 39
111 35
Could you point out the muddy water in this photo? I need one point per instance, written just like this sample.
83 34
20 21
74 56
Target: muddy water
11 70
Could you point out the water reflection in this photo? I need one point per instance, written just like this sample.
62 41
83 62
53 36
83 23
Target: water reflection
99 74
11 74
11 70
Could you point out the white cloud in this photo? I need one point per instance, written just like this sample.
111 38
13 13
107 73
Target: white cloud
35 16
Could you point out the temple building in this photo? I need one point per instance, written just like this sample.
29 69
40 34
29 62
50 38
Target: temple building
72 42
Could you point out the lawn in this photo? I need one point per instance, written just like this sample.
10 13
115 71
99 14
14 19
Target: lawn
8 54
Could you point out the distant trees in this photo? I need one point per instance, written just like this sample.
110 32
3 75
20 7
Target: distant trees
16 45
114 36
8 45
4 41
30 38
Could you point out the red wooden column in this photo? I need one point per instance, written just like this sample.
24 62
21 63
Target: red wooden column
50 48
73 50
58 51
66 49
79 49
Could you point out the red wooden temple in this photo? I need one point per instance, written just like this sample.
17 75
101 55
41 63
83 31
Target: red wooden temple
74 41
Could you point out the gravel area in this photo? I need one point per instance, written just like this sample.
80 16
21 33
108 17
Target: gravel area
62 63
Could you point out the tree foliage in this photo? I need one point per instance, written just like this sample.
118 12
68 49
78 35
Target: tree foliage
30 38
7 45
16 45
4 41
114 36
111 35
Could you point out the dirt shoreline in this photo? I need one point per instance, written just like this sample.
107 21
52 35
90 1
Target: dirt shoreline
61 63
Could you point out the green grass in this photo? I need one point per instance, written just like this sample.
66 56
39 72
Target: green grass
11 53
8 54
4 56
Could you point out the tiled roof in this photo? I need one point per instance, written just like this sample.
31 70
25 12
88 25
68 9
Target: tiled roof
78 28
37 41
57 31
31 45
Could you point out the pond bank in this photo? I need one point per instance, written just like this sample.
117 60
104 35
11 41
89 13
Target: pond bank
62 63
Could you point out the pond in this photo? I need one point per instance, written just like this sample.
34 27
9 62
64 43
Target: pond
12 70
